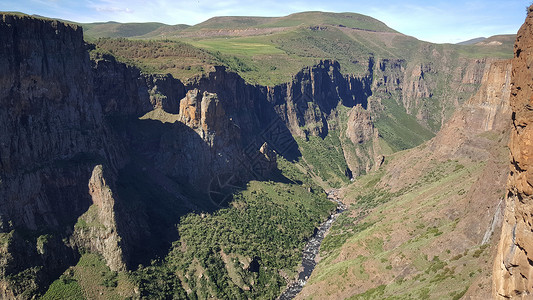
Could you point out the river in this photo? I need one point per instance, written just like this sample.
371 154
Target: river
311 250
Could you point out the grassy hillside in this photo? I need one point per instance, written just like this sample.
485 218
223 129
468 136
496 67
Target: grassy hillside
299 39
399 130
414 228
91 279
116 30
180 59
351 20
385 244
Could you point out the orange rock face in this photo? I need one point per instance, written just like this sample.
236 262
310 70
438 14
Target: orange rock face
513 267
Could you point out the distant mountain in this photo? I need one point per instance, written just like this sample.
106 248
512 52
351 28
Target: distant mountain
115 29
350 20
495 40
238 25
498 40
472 41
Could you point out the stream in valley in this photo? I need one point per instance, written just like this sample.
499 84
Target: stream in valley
311 250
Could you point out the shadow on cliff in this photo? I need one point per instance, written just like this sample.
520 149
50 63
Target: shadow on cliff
253 109
171 172
39 235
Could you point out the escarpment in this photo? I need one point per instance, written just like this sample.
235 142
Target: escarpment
513 268
307 102
97 156
50 133
488 110
470 145
420 86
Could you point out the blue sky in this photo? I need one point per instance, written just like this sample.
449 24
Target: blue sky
435 21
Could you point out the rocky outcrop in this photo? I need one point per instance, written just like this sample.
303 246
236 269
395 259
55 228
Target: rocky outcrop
204 113
513 267
360 128
488 110
96 230
306 103
389 74
417 87
364 153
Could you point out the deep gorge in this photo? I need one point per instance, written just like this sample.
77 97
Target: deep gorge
101 162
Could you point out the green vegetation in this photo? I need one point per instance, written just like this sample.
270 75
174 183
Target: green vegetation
117 30
399 130
89 219
344 228
180 59
498 51
91 279
388 232
351 20
66 287
325 158
42 240
24 281
375 293
262 233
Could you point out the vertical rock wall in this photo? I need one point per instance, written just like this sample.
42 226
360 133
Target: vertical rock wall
513 267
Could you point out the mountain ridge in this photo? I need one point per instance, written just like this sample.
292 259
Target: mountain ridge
309 18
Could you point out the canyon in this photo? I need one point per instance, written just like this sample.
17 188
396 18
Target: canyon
99 158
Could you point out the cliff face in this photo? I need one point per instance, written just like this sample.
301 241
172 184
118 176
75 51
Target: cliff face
123 90
55 133
487 110
95 155
50 133
475 133
422 85
306 106
47 115
513 267
306 103
455 178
